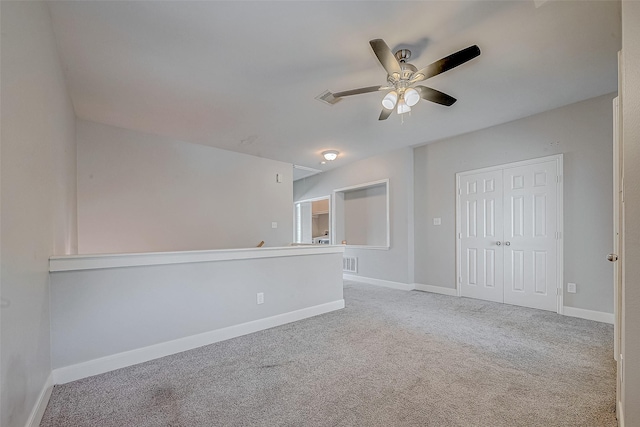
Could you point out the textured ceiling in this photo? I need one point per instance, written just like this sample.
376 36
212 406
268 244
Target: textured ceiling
242 76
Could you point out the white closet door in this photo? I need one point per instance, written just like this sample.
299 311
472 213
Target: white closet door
530 241
481 256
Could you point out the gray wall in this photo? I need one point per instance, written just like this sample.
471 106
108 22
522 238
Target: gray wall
631 147
365 216
583 132
389 264
157 304
143 193
38 199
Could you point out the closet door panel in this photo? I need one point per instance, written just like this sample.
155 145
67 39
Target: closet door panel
530 241
481 258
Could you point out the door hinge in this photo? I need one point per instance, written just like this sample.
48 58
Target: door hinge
459 235
558 179
460 279
558 235
558 291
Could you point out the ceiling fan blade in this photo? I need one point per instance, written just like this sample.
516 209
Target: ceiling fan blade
386 57
384 115
446 63
435 96
358 91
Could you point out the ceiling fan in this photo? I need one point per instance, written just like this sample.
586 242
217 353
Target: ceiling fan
402 78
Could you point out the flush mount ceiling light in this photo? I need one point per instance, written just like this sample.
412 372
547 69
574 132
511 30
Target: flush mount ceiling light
330 155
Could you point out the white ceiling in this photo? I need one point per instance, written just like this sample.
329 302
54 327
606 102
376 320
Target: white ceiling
242 76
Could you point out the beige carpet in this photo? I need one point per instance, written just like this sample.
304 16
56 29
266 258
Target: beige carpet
391 358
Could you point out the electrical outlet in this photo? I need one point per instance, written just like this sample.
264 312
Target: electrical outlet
437 221
274 225
260 298
571 288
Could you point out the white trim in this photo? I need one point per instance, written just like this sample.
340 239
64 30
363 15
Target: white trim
41 405
121 360
598 316
435 289
314 199
90 262
616 227
378 282
334 237
560 228
458 239
620 415
520 163
366 184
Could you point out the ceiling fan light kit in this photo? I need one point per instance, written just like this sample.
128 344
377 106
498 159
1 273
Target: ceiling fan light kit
402 77
403 107
390 99
411 97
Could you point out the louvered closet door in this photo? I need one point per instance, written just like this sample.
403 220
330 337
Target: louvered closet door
481 257
530 241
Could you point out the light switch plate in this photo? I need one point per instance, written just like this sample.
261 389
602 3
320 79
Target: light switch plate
437 221
571 288
274 225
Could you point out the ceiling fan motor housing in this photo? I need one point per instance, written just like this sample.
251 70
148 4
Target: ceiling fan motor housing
403 55
407 70
401 82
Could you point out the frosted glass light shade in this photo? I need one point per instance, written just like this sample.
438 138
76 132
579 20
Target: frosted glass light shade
330 155
403 107
390 100
411 97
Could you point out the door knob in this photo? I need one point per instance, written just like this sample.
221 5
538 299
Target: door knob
507 243
498 243
612 257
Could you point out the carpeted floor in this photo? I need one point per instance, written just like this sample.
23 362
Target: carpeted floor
391 358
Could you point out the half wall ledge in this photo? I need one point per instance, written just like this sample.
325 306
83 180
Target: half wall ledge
96 261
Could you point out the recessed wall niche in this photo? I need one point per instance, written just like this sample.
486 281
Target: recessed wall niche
361 215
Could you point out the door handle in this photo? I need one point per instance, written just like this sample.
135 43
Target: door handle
498 243
612 257
507 243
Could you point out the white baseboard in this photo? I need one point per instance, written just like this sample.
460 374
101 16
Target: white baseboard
121 360
378 282
620 415
597 316
43 400
435 289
